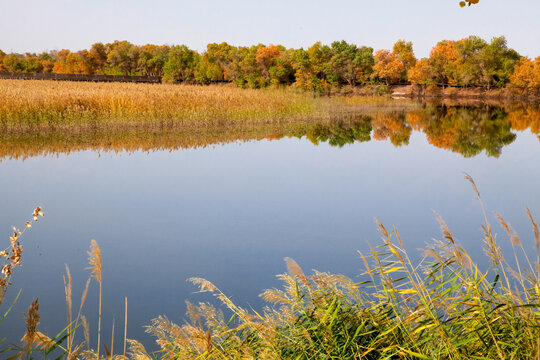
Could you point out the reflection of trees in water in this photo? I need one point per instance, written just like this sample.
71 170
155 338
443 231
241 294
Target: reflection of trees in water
467 130
526 118
393 127
340 133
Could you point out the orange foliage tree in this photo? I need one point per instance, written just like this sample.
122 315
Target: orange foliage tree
526 74
444 58
387 66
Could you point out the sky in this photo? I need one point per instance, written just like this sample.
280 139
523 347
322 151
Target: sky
37 25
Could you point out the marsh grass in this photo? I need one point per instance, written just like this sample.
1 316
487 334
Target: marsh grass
61 105
445 307
49 102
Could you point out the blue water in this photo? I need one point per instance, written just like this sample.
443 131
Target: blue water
231 213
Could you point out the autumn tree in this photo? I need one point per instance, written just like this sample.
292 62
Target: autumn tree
226 57
123 56
422 73
14 63
250 70
526 74
444 60
281 72
47 61
387 67
403 51
311 67
152 59
33 63
2 56
98 57
266 56
73 63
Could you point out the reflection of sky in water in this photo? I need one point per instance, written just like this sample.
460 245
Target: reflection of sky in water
231 213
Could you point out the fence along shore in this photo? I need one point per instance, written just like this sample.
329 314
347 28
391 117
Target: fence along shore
80 77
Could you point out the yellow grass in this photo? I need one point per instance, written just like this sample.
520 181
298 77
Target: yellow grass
64 102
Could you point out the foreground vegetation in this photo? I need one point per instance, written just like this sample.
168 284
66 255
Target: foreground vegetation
471 61
446 307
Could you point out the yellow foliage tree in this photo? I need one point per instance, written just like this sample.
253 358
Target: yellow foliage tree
387 66
526 74
422 73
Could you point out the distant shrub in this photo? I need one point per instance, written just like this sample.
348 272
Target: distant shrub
383 90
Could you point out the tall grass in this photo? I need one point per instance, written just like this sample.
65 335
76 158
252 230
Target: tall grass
95 268
66 104
445 307
61 104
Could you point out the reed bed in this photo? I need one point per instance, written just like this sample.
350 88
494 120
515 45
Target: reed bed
35 102
72 102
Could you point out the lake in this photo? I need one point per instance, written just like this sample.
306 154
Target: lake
229 207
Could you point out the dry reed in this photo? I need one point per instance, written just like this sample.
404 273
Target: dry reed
444 308
95 268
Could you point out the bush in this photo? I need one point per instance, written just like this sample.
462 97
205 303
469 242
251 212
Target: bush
383 90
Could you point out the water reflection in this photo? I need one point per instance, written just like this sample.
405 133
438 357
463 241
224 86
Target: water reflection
231 214
465 129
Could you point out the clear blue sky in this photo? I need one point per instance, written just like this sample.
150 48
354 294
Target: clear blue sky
37 25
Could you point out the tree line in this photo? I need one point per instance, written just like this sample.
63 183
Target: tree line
467 62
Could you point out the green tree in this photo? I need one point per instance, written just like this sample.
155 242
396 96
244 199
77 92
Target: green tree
250 73
181 64
33 63
152 59
226 57
497 62
349 64
469 70
14 63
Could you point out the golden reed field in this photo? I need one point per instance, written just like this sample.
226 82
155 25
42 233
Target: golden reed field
64 102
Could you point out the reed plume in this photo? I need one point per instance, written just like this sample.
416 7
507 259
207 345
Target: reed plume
12 255
94 260
32 321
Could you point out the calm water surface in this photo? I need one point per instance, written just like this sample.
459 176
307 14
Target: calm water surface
231 213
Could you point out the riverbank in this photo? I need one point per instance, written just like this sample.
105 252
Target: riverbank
440 92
